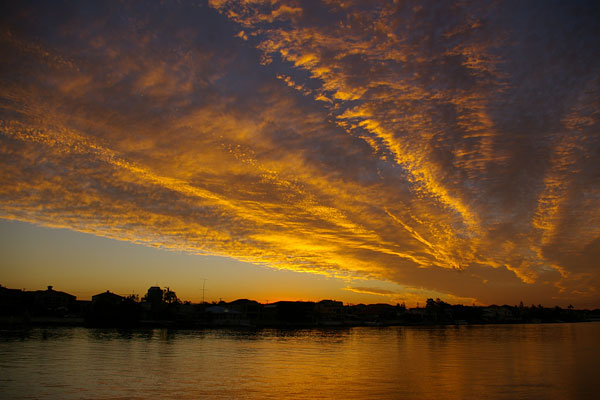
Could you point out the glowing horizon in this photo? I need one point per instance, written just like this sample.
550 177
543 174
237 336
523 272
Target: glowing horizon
406 151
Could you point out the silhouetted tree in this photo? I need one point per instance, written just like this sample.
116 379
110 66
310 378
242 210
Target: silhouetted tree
133 297
170 297
438 310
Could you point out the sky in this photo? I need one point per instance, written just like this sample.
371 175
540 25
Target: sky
363 151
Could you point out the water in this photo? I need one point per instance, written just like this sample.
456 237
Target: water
554 361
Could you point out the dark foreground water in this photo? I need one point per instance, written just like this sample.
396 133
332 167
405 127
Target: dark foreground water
555 361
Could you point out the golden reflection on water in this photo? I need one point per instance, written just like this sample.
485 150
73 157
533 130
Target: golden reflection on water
554 361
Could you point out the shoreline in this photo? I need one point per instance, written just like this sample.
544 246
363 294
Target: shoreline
52 322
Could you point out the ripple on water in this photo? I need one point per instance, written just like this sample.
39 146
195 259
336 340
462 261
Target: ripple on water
555 361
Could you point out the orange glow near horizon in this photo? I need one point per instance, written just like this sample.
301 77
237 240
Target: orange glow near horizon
381 150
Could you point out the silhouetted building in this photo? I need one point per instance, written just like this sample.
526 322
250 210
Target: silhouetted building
496 313
420 312
154 295
290 313
250 309
108 298
53 300
330 312
188 312
109 309
220 315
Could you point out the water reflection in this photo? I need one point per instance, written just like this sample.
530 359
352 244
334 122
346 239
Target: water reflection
497 362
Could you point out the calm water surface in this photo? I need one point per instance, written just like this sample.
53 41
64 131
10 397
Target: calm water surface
554 361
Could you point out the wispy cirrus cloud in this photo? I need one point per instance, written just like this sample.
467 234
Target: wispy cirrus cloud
444 147
407 295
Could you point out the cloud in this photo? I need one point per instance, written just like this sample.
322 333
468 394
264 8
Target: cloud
407 295
370 290
445 147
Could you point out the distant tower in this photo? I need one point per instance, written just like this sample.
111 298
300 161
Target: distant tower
203 287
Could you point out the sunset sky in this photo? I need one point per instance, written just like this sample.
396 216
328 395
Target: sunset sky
356 150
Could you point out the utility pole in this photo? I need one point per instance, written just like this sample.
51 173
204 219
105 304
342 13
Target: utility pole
203 287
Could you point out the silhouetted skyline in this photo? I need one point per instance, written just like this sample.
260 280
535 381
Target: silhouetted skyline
160 307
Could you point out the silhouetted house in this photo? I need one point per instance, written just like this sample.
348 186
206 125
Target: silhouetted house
53 300
250 309
220 315
329 307
111 310
295 313
375 313
496 313
187 312
154 295
330 312
107 298
268 314
417 311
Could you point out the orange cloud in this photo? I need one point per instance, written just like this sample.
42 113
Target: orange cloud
454 157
